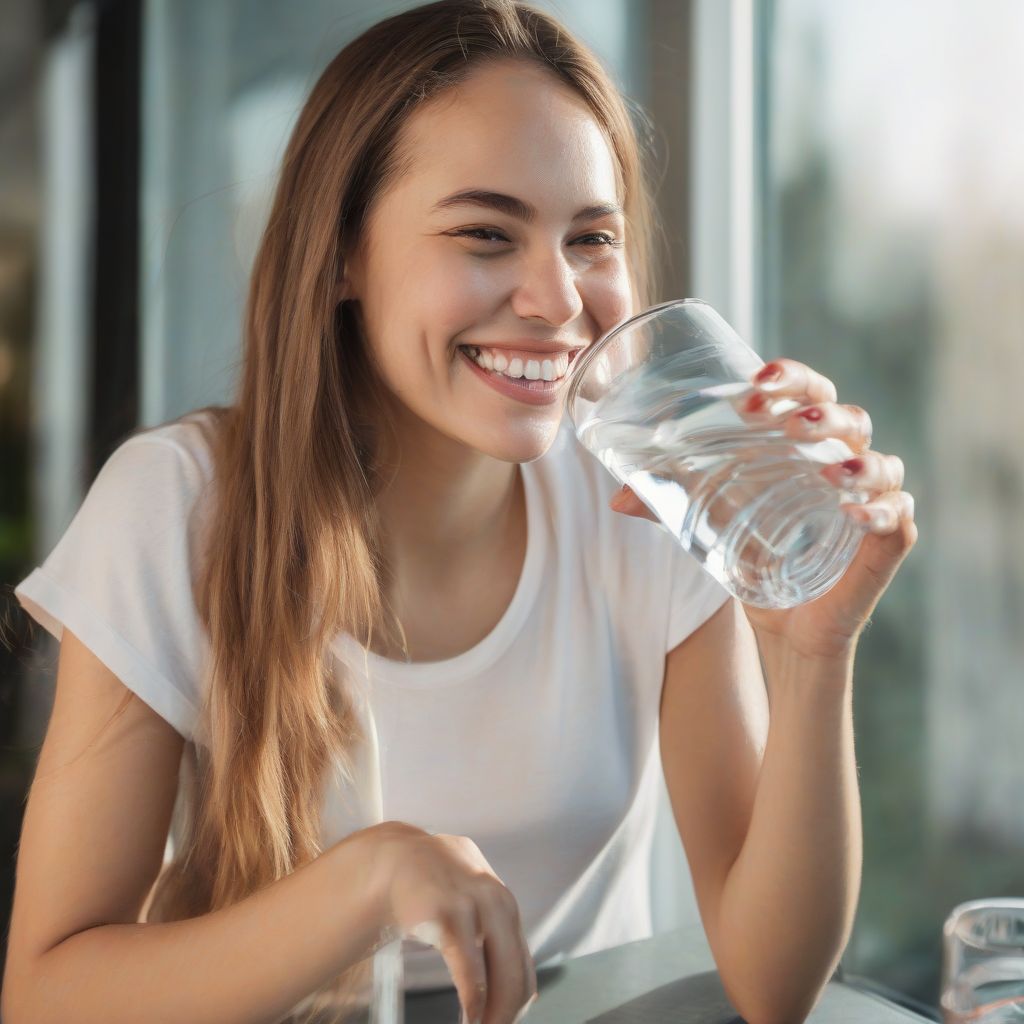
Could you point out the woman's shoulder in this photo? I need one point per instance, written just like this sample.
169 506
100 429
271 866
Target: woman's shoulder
154 483
122 574
187 441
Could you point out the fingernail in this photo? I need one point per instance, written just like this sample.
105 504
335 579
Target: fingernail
769 372
755 403
908 505
851 467
770 378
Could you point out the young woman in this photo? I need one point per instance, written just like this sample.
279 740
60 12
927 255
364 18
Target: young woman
391 524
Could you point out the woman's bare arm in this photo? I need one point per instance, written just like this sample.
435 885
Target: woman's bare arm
768 810
247 964
91 847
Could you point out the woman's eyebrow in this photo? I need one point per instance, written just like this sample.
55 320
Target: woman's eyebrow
517 208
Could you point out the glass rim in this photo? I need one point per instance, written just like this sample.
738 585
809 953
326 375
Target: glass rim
965 910
580 370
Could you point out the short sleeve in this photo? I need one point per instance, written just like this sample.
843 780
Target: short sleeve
694 594
120 578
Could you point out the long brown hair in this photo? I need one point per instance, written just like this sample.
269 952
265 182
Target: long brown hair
293 551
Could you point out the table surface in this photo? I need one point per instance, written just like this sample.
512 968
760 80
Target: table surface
670 978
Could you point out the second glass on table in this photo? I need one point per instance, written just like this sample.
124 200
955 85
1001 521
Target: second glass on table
983 963
661 401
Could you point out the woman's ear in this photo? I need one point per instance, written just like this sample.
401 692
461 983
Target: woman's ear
346 290
343 290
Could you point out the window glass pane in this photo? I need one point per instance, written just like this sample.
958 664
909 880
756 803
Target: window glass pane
892 260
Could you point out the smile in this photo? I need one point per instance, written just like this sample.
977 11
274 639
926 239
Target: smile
517 366
534 381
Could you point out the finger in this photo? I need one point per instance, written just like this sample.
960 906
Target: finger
530 970
461 945
509 986
788 377
871 472
849 423
530 974
877 560
884 515
760 409
626 501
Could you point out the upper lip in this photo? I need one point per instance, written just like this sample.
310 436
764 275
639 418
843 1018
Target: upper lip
531 345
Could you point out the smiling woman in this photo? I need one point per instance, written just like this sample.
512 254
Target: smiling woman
390 551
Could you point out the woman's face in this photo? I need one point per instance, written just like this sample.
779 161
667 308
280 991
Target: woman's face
501 243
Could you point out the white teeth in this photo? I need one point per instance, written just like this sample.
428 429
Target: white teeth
532 369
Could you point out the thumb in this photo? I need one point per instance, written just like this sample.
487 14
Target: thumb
625 501
621 498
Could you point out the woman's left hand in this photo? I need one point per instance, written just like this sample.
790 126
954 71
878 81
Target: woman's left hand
829 626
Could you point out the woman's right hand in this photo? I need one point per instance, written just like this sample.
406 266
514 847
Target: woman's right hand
440 889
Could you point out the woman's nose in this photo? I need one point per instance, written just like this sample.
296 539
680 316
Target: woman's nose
548 290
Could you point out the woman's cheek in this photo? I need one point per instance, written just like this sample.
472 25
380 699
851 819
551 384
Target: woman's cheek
608 295
461 286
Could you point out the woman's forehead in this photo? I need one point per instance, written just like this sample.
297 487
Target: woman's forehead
514 129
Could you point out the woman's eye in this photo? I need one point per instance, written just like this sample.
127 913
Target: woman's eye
599 239
486 235
482 234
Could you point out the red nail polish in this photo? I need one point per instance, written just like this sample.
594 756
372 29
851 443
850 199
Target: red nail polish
770 372
811 414
755 403
852 466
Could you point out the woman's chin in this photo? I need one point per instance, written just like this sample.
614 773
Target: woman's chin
522 443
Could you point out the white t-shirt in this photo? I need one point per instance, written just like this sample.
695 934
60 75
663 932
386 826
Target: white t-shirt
539 743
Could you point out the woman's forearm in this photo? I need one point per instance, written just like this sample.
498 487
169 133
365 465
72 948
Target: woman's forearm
249 963
789 900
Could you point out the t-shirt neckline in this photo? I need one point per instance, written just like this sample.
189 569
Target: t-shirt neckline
483 654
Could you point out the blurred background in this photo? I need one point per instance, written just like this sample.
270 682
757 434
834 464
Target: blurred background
842 181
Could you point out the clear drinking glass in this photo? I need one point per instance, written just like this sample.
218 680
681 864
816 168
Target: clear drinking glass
983 963
661 401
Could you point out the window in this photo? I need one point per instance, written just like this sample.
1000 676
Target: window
891 258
